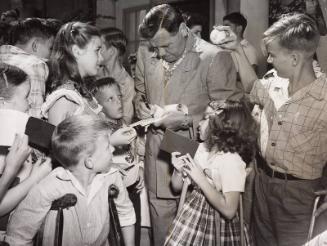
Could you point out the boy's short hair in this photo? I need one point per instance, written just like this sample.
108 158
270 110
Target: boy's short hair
294 32
10 77
237 19
161 16
116 38
73 138
4 30
193 19
99 84
54 25
23 31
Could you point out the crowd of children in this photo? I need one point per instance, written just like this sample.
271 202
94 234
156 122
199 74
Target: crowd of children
72 76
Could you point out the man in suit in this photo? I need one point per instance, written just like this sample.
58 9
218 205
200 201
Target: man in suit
175 68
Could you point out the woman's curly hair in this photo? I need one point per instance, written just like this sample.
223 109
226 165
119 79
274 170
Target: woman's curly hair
232 129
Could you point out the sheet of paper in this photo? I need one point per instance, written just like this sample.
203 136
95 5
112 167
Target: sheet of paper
11 122
145 122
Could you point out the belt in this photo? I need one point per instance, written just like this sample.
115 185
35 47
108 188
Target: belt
262 164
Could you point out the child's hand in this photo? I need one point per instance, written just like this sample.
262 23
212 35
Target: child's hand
178 161
230 42
17 155
123 136
41 169
193 170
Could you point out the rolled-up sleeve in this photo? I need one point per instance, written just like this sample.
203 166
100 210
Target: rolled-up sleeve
221 78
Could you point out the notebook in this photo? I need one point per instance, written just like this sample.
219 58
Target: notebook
173 142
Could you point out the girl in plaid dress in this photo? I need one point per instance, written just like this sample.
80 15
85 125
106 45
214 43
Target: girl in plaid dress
209 215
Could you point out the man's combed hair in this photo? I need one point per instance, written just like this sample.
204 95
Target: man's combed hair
10 77
294 32
233 130
74 138
161 16
23 31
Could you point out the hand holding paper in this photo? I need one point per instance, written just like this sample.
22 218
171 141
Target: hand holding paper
123 136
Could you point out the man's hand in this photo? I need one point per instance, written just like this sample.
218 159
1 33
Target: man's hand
173 120
144 110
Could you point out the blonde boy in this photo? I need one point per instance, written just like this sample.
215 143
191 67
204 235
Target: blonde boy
82 145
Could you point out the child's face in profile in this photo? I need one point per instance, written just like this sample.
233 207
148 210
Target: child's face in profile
89 58
102 157
203 128
111 100
19 98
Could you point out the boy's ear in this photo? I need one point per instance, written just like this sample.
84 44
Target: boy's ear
88 162
239 29
35 45
295 58
183 29
113 51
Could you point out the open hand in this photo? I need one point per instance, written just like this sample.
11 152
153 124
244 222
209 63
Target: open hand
123 136
17 155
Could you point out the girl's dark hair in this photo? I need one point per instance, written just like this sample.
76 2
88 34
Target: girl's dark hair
232 130
63 65
116 38
10 77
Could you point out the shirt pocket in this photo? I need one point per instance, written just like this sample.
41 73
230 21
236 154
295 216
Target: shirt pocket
305 141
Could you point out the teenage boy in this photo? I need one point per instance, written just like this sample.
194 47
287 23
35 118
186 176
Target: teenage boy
30 45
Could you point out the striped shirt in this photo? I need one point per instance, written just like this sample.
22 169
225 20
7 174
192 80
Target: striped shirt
293 130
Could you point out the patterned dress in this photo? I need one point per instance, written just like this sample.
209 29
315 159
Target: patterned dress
198 223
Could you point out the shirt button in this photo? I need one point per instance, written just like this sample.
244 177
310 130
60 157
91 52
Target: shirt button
273 144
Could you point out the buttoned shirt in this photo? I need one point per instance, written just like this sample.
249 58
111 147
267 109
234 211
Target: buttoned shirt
293 130
35 68
87 223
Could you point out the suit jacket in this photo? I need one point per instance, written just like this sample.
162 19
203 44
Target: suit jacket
206 73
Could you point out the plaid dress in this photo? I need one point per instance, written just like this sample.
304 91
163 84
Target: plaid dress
198 223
